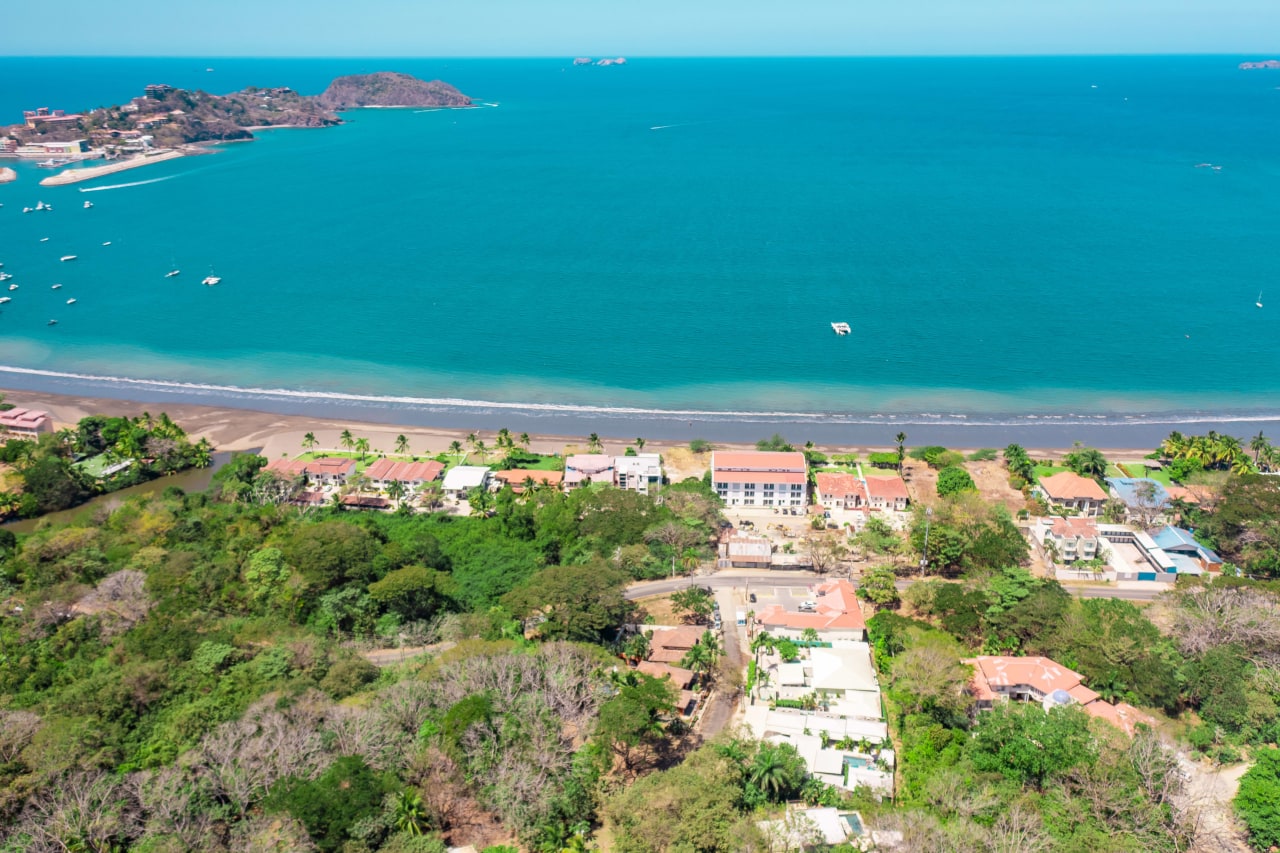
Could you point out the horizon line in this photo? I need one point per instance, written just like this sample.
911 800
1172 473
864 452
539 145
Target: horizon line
540 56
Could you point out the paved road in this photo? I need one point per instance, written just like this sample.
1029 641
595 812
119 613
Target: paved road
780 578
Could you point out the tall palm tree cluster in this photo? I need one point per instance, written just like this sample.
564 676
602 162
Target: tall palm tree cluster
1216 452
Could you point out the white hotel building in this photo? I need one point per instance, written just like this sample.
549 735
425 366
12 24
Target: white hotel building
760 478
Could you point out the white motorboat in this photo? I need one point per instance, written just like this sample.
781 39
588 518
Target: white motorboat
211 280
4 299
13 287
88 204
841 328
57 287
52 323
172 273
108 243
68 257
71 302
44 239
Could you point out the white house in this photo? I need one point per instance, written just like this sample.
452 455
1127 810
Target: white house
760 478
640 473
459 481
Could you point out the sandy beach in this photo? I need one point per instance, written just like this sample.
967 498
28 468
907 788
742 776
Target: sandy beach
73 176
277 434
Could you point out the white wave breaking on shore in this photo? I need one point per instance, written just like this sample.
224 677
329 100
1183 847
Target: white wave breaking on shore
958 419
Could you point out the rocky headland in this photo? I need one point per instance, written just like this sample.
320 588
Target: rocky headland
389 89
165 117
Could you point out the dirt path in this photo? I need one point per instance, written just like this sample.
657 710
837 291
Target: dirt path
1207 797
723 702
391 657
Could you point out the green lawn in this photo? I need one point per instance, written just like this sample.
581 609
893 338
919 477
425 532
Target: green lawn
1113 470
1136 469
1048 470
95 465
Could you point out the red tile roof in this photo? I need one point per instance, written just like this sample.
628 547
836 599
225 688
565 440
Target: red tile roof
1070 486
681 678
889 488
288 468
756 460
1046 676
838 610
392 469
23 418
1070 528
839 485
331 465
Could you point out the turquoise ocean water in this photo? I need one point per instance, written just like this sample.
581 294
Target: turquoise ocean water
1009 238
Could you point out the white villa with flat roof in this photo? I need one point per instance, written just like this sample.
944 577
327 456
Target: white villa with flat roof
459 481
640 473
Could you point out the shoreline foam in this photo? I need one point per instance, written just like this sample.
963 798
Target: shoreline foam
1124 431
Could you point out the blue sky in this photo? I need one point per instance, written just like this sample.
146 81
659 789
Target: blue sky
638 27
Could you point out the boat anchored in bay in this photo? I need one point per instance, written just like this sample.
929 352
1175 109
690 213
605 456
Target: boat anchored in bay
841 328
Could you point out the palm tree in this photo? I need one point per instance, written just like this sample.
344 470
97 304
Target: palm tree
309 441
362 446
203 456
636 648
472 439
346 439
503 437
525 440
482 450
770 772
593 443
712 645
697 659
411 814
455 447
402 445
395 490
901 438
640 444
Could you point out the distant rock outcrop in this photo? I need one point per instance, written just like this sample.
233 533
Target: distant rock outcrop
389 89
1266 63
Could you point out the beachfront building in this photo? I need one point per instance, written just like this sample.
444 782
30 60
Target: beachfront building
519 478
459 481
44 116
1047 682
586 468
1071 539
640 473
412 475
887 493
22 423
838 490
1147 502
837 616
759 478
1070 494
325 471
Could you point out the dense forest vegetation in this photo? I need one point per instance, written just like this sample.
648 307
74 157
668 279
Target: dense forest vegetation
183 671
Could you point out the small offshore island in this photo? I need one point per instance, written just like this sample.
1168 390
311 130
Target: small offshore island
164 123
